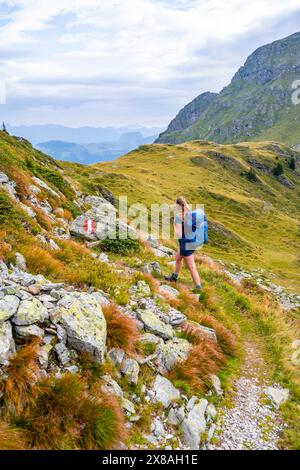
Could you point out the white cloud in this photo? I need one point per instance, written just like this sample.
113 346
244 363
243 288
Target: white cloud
113 48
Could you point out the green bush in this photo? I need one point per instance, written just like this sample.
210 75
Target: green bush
292 164
251 175
124 247
278 169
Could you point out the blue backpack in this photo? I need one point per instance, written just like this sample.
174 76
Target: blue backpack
196 229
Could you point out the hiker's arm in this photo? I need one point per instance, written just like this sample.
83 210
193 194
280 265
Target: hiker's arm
178 230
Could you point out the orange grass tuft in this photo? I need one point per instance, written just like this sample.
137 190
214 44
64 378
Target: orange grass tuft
226 339
21 375
40 260
203 360
122 331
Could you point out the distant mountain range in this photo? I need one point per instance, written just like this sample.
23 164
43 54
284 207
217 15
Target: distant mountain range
94 152
79 135
257 105
85 144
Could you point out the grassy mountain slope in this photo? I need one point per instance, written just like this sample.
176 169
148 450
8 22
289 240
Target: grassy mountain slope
254 223
257 104
234 205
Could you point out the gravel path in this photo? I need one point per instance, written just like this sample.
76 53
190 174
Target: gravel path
251 423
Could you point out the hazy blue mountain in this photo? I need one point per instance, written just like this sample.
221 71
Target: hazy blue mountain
96 151
80 135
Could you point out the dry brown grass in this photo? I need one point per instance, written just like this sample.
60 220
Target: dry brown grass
67 215
21 375
122 331
39 260
204 359
54 203
150 280
23 181
11 438
42 218
193 334
4 246
225 337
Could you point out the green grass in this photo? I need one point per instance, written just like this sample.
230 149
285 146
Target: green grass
254 224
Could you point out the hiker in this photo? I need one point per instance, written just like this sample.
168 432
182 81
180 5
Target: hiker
186 247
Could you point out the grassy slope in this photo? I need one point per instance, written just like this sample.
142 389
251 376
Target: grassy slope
151 175
262 217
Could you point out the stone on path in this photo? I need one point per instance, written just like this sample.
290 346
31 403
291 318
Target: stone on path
164 390
278 396
194 425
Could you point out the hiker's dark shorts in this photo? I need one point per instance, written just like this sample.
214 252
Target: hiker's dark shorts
183 251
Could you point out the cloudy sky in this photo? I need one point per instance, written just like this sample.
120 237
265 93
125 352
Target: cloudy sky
120 62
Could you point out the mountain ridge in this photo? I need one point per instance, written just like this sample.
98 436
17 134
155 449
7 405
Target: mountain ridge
254 106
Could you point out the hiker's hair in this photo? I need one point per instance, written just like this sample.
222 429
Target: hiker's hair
181 201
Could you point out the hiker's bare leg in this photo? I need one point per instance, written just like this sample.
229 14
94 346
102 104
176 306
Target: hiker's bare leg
190 262
178 263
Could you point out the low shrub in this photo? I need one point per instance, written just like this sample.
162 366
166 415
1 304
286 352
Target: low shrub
127 246
8 214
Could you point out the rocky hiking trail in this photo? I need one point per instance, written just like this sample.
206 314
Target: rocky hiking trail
249 422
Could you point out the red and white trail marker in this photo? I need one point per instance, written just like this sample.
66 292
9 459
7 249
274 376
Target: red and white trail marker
89 226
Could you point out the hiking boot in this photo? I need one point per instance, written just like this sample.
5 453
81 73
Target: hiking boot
197 289
172 278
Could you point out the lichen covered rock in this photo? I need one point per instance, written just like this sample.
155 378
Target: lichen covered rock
30 311
8 307
153 324
164 391
7 345
194 425
81 316
172 351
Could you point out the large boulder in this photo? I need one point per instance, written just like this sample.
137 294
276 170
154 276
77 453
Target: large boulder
30 311
194 425
7 345
82 317
8 307
99 222
173 351
153 324
164 391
